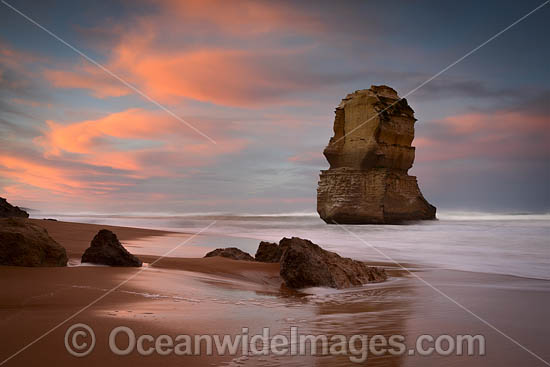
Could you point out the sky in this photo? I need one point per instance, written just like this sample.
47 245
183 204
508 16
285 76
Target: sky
232 102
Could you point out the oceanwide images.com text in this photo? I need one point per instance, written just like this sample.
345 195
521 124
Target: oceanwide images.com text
80 341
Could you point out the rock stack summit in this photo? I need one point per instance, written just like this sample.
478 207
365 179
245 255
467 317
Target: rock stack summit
370 155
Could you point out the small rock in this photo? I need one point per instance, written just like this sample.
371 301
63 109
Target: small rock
7 210
106 249
23 243
269 252
230 252
305 264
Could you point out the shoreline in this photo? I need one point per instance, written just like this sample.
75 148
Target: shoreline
76 237
220 296
129 236
484 246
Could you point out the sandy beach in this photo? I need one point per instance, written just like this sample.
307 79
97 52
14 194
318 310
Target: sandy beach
221 296
274 183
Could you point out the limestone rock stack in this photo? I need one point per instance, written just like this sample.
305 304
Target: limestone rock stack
370 155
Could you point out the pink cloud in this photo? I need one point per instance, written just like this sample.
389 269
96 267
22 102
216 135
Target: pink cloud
52 176
15 72
16 59
119 150
89 77
511 122
171 71
497 135
311 157
125 140
83 137
225 77
242 17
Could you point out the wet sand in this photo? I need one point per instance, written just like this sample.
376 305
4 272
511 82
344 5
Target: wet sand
221 296
76 237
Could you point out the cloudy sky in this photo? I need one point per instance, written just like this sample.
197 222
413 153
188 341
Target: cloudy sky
262 79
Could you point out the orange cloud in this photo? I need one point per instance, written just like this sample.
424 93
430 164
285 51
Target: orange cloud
225 77
169 70
15 73
83 137
501 134
15 59
499 121
242 17
88 77
127 140
52 176
120 150
311 157
22 192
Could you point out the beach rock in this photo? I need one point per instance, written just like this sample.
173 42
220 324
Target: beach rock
370 155
106 249
23 243
231 253
7 210
305 264
268 252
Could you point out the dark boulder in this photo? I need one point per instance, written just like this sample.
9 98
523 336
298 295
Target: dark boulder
231 253
7 210
269 252
305 264
106 249
23 243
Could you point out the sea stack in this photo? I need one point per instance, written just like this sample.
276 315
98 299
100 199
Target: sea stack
370 155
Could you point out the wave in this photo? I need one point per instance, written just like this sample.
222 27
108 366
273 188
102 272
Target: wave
503 243
161 215
467 215
442 215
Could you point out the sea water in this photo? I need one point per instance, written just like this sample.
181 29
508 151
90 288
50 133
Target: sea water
512 244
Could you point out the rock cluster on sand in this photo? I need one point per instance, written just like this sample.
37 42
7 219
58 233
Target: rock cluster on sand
268 252
231 253
305 264
370 155
106 249
7 210
23 243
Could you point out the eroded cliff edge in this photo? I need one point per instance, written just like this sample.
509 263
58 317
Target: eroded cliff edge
370 155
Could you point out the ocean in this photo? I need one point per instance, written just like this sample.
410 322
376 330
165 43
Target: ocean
511 244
